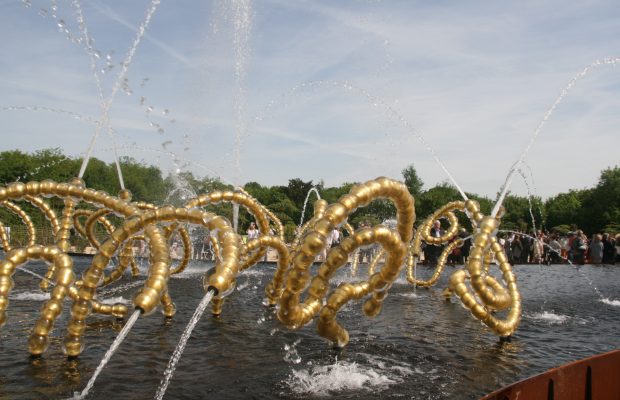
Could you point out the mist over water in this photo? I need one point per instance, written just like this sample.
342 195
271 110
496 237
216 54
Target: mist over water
419 347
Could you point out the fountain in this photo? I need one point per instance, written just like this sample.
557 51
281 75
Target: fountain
431 350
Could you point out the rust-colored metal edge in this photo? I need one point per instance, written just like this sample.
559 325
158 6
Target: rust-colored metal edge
593 378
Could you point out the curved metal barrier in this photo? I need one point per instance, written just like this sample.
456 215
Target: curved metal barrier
593 378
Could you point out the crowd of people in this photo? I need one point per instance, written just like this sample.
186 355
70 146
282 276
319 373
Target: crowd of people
554 248
520 247
544 248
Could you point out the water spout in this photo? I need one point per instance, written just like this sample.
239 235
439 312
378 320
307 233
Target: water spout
117 342
176 356
303 211
36 275
558 100
105 106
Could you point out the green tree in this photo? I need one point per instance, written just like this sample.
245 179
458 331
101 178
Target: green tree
296 191
412 181
602 205
434 198
564 208
15 165
517 214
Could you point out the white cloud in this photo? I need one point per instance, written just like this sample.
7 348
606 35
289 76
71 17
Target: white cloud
473 79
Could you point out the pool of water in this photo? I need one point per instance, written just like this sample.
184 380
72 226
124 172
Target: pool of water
419 347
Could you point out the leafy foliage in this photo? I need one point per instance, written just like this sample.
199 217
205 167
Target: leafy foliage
593 210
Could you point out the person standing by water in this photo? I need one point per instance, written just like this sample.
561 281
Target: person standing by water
596 249
517 250
466 237
555 249
609 249
434 251
365 251
333 238
617 246
252 231
579 247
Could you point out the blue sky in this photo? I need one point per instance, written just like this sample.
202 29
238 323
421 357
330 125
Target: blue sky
338 91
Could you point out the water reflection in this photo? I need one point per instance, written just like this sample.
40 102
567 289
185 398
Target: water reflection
420 346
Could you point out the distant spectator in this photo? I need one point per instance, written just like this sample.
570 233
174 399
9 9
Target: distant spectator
434 251
596 249
365 252
555 250
252 231
517 250
579 248
609 249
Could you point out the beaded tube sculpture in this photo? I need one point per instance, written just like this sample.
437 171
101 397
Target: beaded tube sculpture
479 291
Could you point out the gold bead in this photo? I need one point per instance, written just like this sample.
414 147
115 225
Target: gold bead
37 344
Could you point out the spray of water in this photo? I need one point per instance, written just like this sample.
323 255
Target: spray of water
121 288
303 211
242 23
558 100
107 103
36 275
92 53
529 201
175 156
176 356
58 111
117 342
390 112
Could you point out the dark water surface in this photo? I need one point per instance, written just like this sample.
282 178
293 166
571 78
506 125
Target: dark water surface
419 347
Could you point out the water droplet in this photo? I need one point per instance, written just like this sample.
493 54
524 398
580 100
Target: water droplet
160 130
142 100
26 3
165 112
149 109
97 54
43 12
172 121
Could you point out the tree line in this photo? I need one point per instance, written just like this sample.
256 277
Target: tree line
594 210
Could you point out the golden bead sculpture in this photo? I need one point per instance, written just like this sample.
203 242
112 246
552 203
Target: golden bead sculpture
45 208
423 234
52 308
275 287
279 228
319 209
70 193
17 210
377 284
299 296
292 311
88 230
492 295
253 207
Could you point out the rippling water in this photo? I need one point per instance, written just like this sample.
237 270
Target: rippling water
419 347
